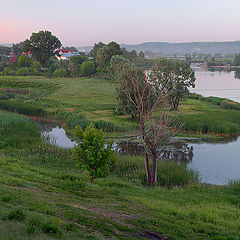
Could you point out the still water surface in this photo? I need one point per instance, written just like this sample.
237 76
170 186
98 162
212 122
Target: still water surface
225 84
216 162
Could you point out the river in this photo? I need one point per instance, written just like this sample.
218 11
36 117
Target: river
217 163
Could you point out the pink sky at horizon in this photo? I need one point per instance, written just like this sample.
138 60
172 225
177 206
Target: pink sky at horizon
82 23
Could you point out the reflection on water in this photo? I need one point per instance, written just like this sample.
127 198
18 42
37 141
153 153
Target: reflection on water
56 135
217 162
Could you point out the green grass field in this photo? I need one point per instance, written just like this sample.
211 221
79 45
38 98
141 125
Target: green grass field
43 195
94 98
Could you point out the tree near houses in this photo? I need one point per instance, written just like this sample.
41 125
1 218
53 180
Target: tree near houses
155 130
43 45
96 47
105 54
173 77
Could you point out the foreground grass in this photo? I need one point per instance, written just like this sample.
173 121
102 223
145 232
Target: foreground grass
44 196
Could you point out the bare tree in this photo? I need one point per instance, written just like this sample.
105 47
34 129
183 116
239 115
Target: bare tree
155 126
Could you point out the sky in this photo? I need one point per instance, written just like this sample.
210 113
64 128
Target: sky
84 22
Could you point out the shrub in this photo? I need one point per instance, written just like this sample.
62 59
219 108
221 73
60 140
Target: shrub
24 61
8 71
92 153
87 68
51 229
73 120
16 215
60 73
36 68
22 71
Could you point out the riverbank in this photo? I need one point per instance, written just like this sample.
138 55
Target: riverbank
79 101
43 195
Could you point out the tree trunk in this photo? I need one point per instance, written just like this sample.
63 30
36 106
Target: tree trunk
148 172
154 167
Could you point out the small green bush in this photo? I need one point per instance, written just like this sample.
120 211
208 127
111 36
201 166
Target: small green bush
87 68
92 153
16 215
73 120
50 229
24 61
22 71
60 73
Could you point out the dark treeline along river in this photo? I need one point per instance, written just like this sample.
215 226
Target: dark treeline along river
217 162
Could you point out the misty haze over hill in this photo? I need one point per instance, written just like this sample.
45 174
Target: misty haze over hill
165 48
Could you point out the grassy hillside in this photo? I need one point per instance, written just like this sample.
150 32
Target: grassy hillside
44 196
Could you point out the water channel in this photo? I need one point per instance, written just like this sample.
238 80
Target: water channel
216 162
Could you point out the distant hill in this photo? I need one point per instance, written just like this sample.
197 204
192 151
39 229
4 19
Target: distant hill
165 48
183 48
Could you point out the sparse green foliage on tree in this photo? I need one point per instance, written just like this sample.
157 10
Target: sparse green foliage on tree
124 72
174 78
43 45
93 153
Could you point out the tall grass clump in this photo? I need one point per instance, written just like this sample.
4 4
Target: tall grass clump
17 130
107 126
22 108
223 102
213 122
169 173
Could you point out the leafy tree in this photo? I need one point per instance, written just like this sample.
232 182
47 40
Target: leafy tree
96 47
43 45
92 153
105 54
18 48
173 77
71 49
154 130
78 59
87 68
141 55
24 61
